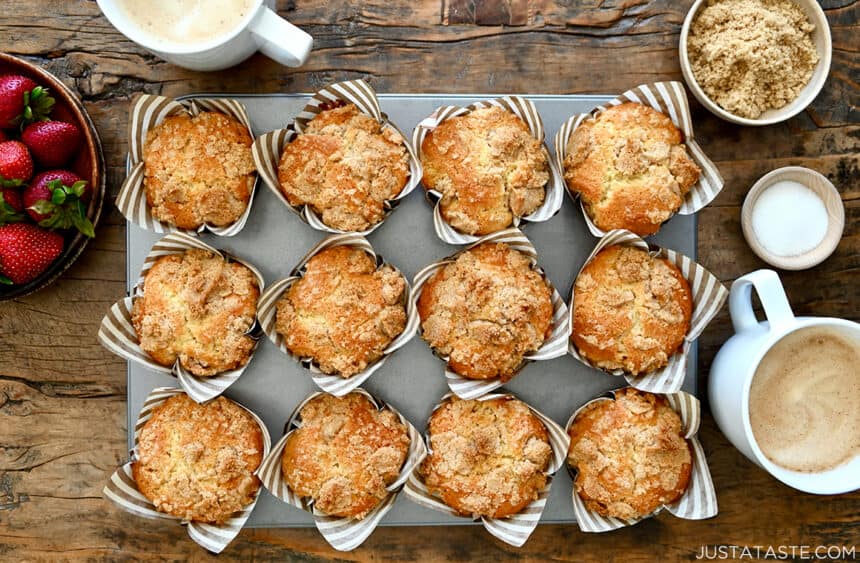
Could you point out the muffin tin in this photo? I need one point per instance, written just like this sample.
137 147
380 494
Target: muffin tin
274 239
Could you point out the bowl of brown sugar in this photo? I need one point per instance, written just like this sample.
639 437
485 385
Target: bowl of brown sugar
755 62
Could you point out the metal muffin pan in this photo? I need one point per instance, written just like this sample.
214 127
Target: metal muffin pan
412 379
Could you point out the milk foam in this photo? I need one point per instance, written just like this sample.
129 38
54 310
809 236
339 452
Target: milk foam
186 22
805 400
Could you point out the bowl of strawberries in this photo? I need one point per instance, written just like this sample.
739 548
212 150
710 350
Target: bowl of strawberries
51 177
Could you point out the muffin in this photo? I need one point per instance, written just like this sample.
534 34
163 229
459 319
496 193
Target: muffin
345 454
630 455
344 166
197 461
631 311
487 458
630 168
344 312
485 311
488 168
198 170
197 309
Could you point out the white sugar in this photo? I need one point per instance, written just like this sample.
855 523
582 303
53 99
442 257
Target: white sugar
789 219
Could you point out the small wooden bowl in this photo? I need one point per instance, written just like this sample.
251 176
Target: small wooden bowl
820 38
88 164
832 203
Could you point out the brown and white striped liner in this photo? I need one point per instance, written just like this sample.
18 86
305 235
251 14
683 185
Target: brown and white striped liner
268 306
516 529
147 111
122 490
525 110
709 295
669 98
554 347
268 148
343 534
698 502
117 334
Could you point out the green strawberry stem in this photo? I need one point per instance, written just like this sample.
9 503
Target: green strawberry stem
38 105
8 213
4 280
65 210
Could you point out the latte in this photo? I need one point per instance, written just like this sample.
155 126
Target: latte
805 400
186 22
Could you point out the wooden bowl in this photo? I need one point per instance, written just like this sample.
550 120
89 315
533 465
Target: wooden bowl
824 189
88 164
823 44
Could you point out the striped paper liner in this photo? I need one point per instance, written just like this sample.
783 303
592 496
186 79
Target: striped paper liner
525 110
343 534
515 529
268 148
698 502
554 347
709 295
122 490
117 333
268 305
147 111
669 98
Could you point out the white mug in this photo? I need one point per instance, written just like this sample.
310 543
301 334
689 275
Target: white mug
261 30
735 365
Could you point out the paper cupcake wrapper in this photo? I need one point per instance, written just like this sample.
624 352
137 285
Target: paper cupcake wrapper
669 98
525 110
515 529
343 534
147 111
122 489
117 333
268 148
554 347
709 295
698 502
268 306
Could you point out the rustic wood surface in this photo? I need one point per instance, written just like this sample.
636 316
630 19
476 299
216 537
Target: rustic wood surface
62 396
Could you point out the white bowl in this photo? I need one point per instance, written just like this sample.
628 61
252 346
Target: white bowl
823 44
829 195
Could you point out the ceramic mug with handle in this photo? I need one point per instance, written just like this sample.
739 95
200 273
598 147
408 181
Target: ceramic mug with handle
261 29
735 366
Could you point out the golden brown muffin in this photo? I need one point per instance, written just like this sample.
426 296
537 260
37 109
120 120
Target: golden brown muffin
197 461
486 310
198 170
488 168
344 166
630 455
197 308
345 454
487 458
344 312
631 311
630 167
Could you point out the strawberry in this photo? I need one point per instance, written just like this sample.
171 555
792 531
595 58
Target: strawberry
57 199
3 136
22 102
52 143
16 165
11 206
26 251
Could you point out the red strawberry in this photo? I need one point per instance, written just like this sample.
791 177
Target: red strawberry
52 143
57 199
11 207
26 251
16 165
22 101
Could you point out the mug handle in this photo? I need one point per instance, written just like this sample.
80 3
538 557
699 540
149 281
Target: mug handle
281 40
770 293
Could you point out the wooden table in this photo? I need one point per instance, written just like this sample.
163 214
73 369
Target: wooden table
62 396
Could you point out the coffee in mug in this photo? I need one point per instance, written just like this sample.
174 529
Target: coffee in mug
186 22
804 404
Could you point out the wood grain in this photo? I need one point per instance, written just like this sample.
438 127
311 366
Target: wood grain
62 397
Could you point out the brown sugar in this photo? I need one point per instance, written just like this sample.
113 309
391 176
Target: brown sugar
750 56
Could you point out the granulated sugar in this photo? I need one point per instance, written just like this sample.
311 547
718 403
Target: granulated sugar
789 219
